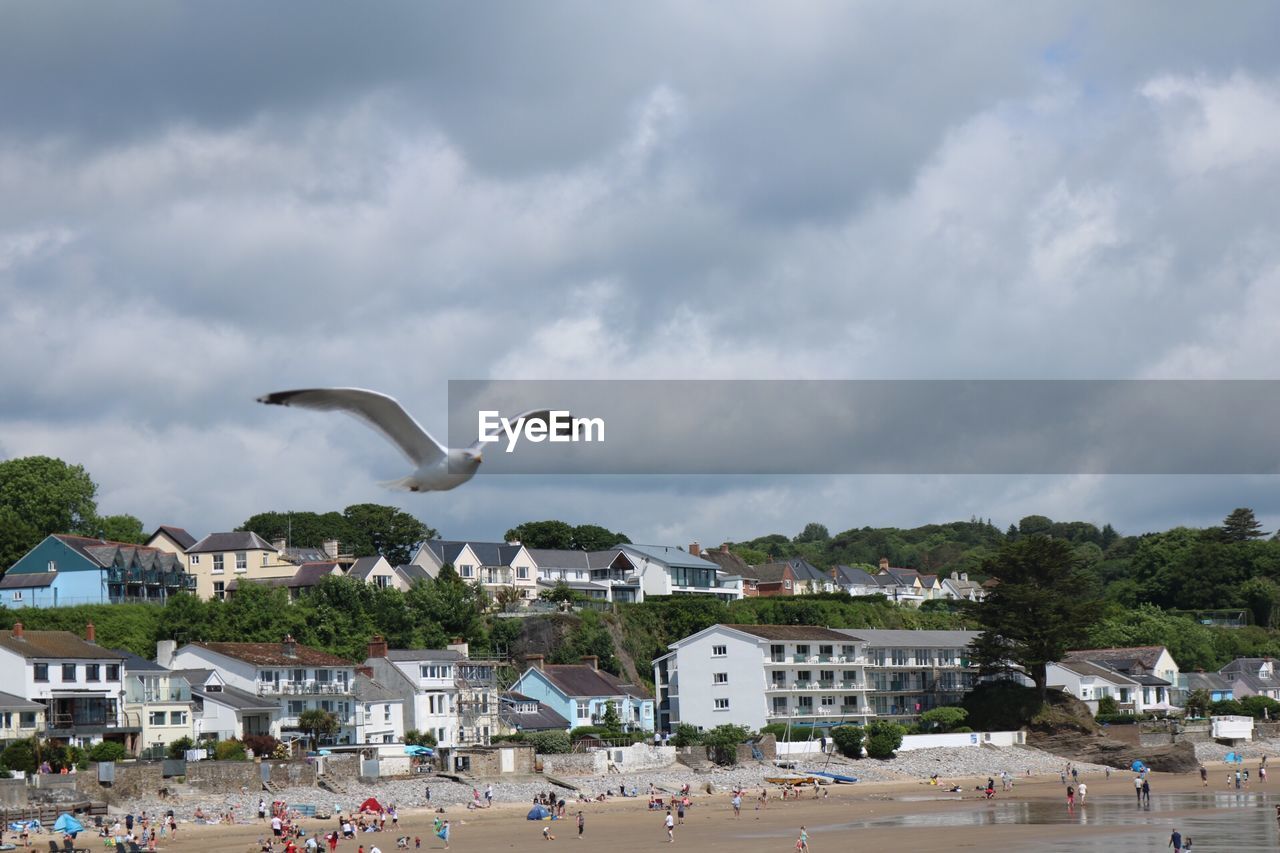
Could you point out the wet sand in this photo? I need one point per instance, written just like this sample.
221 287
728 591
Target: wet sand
894 816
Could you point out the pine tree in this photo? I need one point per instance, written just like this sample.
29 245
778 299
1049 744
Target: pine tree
1241 525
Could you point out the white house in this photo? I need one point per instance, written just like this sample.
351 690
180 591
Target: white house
444 691
295 677
376 571
1090 682
1152 667
222 712
493 565
958 587
668 570
160 700
608 575
77 681
379 712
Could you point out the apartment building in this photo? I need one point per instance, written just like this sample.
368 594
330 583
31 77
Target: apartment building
160 700
444 691
293 677
807 675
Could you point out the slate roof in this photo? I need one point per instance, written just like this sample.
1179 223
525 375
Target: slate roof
41 645
307 575
541 720
104 554
791 632
272 654
234 697
9 702
849 576
137 663
367 689
195 677
410 655
412 573
488 553
568 558
669 555
1084 667
1211 681
180 537
901 577
1121 659
727 561
237 540
767 573
579 679
363 567
306 554
909 638
27 580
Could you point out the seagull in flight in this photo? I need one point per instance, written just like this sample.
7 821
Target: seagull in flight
439 468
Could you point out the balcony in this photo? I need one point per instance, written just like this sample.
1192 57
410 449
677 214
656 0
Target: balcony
802 658
303 688
826 658
848 709
826 685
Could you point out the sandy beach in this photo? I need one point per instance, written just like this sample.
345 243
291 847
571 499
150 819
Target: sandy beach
903 816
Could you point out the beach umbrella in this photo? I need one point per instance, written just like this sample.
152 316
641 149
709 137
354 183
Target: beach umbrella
67 825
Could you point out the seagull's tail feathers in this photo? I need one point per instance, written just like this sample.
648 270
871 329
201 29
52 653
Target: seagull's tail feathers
404 484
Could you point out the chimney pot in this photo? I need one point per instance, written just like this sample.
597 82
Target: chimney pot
330 547
377 646
592 661
17 630
534 661
279 544
290 646
884 563
90 635
695 549
724 547
964 576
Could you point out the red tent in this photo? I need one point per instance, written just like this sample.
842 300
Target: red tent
371 805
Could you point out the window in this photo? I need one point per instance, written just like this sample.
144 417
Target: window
53 566
265 560
17 595
323 676
787 583
92 672
584 710
68 672
722 704
195 559
848 651
828 701
898 657
113 672
156 718
924 657
217 564
296 707
381 581
719 651
242 561
386 713
522 573
466 571
827 651
26 719
40 671
720 678
220 590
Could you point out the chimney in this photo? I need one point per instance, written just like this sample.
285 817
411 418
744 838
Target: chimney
534 661
289 647
955 576
695 550
90 635
460 646
279 544
592 661
330 547
884 563
17 630
164 652
377 646
964 576
724 547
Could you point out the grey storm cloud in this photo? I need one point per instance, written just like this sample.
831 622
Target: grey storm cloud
206 202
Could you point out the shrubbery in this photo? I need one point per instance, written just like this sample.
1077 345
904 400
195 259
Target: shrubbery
107 750
883 738
686 735
263 746
179 747
549 743
848 739
229 750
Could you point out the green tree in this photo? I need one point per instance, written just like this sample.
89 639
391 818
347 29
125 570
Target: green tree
1034 525
883 738
848 739
686 735
722 742
507 598
593 537
301 529
611 722
542 534
1043 605
1197 703
1261 596
121 528
21 755
560 592
1109 705
229 750
943 719
549 743
813 532
1241 525
179 747
317 723
413 737
107 750
386 530
40 495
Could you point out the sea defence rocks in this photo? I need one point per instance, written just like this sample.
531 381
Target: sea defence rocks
1101 749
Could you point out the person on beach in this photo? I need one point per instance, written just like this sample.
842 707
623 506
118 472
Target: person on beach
582 824
802 843
1175 841
1071 799
680 811
488 796
1204 776
1137 788
1146 792
443 834
262 810
546 834
1081 791
737 804
670 823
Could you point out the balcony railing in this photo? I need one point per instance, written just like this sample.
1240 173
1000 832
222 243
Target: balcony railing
802 658
303 688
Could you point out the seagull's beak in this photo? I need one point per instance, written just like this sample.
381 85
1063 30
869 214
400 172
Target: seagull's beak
479 458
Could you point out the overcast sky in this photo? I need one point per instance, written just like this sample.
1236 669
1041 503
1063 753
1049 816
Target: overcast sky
201 203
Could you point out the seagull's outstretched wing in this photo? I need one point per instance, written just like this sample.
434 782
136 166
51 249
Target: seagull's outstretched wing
531 415
383 413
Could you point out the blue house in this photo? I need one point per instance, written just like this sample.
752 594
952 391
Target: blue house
64 570
581 693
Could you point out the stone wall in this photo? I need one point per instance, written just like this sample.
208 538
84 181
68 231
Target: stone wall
132 781
575 763
223 776
13 793
292 774
341 767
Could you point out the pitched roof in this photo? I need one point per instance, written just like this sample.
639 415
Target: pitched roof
180 537
543 719
307 575
791 632
137 663
670 555
42 645
1093 670
363 567
237 540
195 677
488 553
105 553
412 573
1147 656
569 558
273 654
1211 681
850 576
768 573
578 679
306 554
234 697
27 580
410 655
9 702
367 689
727 561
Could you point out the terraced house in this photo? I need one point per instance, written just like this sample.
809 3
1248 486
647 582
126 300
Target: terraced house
494 565
64 570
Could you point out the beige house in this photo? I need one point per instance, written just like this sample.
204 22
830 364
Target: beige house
171 540
376 571
491 564
19 718
160 700
220 558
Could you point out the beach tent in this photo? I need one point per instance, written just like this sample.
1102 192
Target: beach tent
1138 766
1234 758
538 813
67 825
371 805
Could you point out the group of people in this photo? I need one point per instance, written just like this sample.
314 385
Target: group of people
551 801
144 830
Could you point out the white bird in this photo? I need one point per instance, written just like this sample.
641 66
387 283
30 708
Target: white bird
439 468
